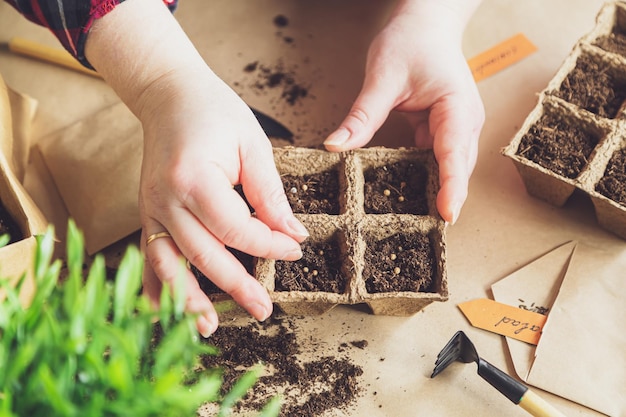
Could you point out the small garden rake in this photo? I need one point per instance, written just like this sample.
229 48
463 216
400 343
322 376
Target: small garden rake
460 348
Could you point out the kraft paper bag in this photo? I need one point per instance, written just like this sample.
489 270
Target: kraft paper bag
581 354
95 164
16 259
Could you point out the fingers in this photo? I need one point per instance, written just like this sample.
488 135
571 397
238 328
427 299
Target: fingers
209 255
264 190
164 264
368 113
229 221
455 127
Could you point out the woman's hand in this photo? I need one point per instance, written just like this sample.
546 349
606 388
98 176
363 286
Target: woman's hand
415 65
200 139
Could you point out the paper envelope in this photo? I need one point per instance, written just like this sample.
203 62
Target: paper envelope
581 355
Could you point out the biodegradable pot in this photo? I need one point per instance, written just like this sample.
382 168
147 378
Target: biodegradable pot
376 237
576 140
335 195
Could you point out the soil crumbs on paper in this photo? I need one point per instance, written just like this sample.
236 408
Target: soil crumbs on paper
308 389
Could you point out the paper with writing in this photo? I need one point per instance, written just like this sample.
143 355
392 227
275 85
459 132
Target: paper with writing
500 56
581 352
504 319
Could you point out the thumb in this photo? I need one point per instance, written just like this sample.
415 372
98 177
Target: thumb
368 113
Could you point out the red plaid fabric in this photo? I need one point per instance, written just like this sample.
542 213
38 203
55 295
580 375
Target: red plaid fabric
70 20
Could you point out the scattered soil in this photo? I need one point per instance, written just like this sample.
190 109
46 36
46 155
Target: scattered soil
316 193
9 226
592 86
281 21
614 43
277 76
401 262
307 388
396 188
558 145
319 269
613 184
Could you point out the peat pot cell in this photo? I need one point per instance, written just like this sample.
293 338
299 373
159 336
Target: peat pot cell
398 188
319 269
8 226
595 87
613 184
404 262
315 193
560 145
615 42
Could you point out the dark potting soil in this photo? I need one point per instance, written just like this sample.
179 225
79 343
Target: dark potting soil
396 188
614 43
316 193
277 76
401 262
558 145
307 388
613 183
9 226
319 269
592 86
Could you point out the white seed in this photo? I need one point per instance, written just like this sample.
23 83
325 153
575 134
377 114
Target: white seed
320 253
314 272
387 193
396 270
401 199
293 190
393 256
305 269
305 187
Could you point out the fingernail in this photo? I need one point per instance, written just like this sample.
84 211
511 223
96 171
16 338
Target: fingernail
456 211
206 326
297 228
293 254
259 311
338 137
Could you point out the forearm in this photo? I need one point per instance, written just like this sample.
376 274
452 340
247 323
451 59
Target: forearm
142 52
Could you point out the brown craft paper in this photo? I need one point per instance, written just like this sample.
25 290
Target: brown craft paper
17 258
95 164
581 355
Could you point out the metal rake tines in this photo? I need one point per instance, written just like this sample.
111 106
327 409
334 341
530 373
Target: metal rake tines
458 348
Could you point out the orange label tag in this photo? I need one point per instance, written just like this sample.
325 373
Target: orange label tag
504 319
500 56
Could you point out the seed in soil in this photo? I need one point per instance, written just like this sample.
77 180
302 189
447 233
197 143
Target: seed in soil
401 262
396 188
316 193
319 269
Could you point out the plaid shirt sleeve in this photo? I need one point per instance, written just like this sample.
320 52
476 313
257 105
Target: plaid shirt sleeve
70 20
